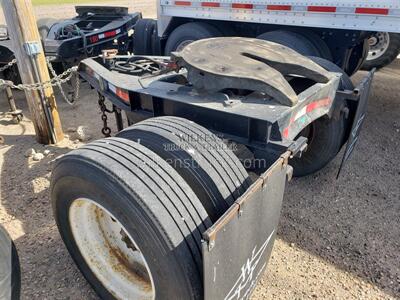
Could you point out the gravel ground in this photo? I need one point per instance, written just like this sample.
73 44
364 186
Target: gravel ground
337 239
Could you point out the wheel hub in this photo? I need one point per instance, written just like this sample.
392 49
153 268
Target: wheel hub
110 252
379 44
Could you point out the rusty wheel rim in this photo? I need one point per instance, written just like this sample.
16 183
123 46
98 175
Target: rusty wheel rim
110 252
379 44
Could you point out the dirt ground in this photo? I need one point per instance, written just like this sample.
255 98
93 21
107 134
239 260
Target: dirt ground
338 239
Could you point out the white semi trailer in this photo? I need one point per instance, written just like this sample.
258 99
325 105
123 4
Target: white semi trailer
335 30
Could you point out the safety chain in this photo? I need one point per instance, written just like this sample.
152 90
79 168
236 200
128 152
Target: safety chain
8 65
106 131
55 81
75 93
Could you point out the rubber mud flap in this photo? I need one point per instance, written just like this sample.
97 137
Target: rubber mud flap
363 90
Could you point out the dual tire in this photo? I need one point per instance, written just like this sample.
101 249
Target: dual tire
305 42
384 49
132 214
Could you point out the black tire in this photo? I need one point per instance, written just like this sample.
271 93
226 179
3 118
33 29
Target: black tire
326 135
213 172
293 40
190 32
12 74
388 57
318 42
345 84
10 274
152 202
345 81
44 25
143 38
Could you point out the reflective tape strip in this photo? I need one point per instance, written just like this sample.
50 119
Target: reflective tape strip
301 113
294 8
330 9
112 88
121 93
372 11
183 3
279 7
210 4
242 6
108 34
317 104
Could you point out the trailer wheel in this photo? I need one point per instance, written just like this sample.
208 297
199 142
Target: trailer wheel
10 274
318 42
212 170
384 49
293 40
345 81
130 221
11 74
188 33
44 25
326 135
143 38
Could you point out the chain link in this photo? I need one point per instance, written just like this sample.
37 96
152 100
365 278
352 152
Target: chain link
75 93
8 65
55 81
106 131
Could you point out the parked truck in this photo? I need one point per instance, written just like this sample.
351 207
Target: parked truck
338 31
168 208
66 42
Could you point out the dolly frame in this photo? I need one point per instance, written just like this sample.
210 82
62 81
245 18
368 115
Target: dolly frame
237 247
268 132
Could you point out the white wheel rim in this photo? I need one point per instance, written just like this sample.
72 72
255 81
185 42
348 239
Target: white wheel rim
110 252
378 45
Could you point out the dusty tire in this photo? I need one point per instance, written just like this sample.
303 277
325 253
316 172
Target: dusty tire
157 211
143 38
326 135
189 32
213 172
292 40
324 144
345 81
387 55
318 42
10 275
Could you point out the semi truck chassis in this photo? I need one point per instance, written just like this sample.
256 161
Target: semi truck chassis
264 103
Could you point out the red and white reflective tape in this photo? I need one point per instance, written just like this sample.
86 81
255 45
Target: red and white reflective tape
291 8
305 110
121 93
108 34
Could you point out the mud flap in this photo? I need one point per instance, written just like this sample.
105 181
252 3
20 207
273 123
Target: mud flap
362 91
237 247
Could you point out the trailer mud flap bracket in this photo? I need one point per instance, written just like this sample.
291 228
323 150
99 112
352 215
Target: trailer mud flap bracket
237 247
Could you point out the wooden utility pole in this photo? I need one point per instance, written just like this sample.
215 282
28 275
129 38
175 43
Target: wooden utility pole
23 31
